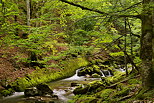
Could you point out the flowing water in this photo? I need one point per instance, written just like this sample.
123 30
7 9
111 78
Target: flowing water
61 88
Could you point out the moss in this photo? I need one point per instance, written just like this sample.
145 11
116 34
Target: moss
96 67
106 93
95 86
90 70
149 95
120 86
80 90
90 88
95 75
123 91
46 75
145 94
134 81
100 100
7 92
85 99
117 76
105 102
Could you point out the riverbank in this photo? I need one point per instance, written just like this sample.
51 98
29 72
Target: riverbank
114 90
42 75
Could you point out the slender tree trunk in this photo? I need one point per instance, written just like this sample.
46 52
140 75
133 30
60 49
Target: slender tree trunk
147 44
28 12
125 49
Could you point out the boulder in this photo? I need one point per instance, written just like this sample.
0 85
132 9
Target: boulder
95 75
74 84
44 89
106 73
91 87
83 72
39 90
80 90
31 92
89 71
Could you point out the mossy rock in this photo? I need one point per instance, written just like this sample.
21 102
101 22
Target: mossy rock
90 70
95 75
94 86
106 81
96 67
117 76
105 94
84 72
7 92
80 90
31 92
125 91
44 89
120 86
105 102
86 99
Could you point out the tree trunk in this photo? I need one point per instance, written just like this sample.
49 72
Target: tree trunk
28 12
147 44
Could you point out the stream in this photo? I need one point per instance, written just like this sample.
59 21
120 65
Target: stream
62 88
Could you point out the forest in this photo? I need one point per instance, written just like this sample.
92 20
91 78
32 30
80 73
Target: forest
76 51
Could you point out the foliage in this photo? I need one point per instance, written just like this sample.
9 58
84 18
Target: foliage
60 32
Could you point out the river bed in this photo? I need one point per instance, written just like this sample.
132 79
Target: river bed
62 88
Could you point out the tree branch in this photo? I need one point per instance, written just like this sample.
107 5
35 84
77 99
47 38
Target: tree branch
98 11
84 8
129 7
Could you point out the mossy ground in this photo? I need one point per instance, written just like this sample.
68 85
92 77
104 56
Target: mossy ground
121 89
42 75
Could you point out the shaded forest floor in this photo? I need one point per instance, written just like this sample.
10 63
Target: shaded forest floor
9 69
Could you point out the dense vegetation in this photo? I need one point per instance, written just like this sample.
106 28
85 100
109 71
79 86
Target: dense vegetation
53 38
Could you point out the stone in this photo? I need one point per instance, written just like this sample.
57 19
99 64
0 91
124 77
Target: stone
54 96
87 76
74 84
44 89
31 92
39 90
89 71
95 75
80 90
40 101
106 73
91 87
51 102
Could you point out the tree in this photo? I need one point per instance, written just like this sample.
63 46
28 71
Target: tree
147 43
28 12
147 36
